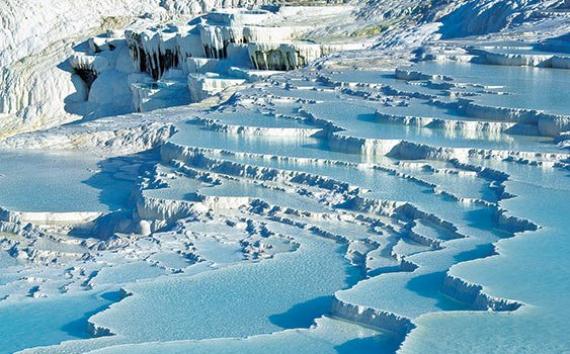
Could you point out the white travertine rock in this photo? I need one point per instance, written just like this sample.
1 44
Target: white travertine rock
201 65
205 85
289 56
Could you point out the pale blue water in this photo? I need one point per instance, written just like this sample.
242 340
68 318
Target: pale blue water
335 337
193 135
44 322
529 88
252 119
219 303
272 196
62 182
189 189
534 271
386 79
422 289
420 108
127 273
361 121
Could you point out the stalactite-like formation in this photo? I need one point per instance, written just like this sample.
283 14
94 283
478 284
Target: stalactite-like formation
86 74
222 35
88 67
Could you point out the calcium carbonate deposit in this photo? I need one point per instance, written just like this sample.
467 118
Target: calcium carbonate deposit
205 176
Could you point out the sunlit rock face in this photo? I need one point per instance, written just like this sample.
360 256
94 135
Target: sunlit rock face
301 177
290 56
204 85
219 36
217 46
224 35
